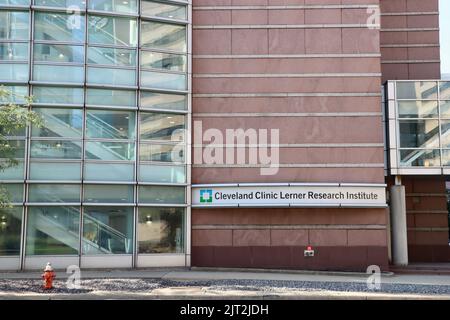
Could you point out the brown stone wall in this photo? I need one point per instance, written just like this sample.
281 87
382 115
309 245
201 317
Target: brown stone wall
343 239
312 71
410 39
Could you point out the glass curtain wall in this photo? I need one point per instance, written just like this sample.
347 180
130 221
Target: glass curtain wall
423 109
106 172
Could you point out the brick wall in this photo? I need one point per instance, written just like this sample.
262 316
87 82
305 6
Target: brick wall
410 39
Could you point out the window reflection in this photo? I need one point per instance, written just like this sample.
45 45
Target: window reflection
58 27
110 124
417 90
58 53
161 230
54 193
112 30
58 95
129 6
163 36
13 51
165 61
107 230
14 25
162 194
49 149
66 123
163 10
10 229
419 134
105 97
112 56
156 100
161 126
53 231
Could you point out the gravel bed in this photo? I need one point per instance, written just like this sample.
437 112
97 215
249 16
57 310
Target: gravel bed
260 286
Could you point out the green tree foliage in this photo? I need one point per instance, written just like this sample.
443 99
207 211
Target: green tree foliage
14 118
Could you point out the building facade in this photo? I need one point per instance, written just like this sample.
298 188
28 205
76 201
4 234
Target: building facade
222 133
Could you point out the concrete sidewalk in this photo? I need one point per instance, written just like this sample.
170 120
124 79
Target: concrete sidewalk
177 274
224 284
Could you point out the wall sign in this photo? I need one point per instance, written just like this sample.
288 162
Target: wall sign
289 195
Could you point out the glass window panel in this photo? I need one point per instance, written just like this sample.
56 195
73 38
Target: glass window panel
419 133
15 2
417 90
71 74
12 173
49 149
163 10
58 53
10 231
14 25
112 30
109 151
163 36
12 149
159 80
110 124
112 56
161 126
61 3
118 77
107 230
161 152
445 131
13 132
161 230
53 231
109 171
162 194
163 101
445 109
165 61
108 194
105 97
59 27
16 94
446 158
420 158
66 123
58 95
54 193
54 171
14 192
163 174
444 89
418 109
128 6
13 72
14 51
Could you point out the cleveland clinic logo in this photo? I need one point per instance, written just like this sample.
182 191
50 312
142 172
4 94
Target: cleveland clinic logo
206 195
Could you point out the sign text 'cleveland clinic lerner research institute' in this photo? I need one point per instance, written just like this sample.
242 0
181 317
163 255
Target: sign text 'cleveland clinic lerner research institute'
289 195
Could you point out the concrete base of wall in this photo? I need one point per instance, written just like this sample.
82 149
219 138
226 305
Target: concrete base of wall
429 253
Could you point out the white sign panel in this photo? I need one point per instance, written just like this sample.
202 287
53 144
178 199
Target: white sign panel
290 195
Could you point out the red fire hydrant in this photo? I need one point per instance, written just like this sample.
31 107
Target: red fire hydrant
48 276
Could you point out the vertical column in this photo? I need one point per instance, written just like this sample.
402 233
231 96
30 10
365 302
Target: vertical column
398 223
